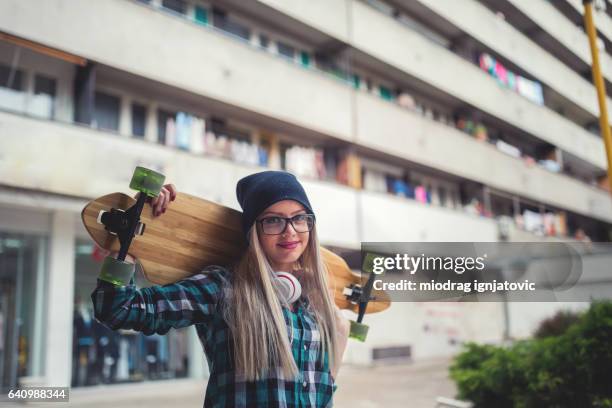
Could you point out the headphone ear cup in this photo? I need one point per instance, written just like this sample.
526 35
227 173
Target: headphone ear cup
289 287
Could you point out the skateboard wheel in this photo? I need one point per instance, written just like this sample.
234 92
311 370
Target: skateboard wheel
359 331
147 181
116 272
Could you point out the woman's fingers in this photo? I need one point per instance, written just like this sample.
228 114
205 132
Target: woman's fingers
161 202
172 189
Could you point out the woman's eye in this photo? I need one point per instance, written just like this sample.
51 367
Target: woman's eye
300 218
271 220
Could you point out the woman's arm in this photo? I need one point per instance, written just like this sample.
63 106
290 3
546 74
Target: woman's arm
159 308
119 305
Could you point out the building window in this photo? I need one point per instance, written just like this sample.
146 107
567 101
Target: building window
43 102
178 6
285 50
305 58
12 96
386 93
225 23
164 119
139 118
106 112
11 78
201 15
264 41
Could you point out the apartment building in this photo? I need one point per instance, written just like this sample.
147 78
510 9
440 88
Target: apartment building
406 120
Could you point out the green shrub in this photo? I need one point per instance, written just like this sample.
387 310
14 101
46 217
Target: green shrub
573 369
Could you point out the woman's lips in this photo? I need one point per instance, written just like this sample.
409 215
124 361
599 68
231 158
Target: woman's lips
289 245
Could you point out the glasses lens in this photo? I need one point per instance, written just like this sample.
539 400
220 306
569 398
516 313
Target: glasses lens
302 222
273 225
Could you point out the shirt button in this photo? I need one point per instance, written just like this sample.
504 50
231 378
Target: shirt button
305 384
305 347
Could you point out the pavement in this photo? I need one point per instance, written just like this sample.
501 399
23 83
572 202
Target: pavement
397 385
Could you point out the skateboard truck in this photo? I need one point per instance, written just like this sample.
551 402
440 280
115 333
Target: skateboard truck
125 224
362 296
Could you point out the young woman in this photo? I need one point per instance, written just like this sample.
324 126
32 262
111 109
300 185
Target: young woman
263 350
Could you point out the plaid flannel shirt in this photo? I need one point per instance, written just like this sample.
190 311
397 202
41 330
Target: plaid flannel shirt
195 301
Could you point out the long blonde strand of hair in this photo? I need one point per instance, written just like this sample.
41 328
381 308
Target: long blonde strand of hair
255 317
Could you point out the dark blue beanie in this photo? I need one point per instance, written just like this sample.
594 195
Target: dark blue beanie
258 191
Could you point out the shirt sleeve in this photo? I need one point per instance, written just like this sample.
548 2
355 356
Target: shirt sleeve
159 308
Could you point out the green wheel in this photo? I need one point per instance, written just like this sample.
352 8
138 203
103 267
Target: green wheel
116 272
147 181
359 331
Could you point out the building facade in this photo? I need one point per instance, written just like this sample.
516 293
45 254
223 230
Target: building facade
406 120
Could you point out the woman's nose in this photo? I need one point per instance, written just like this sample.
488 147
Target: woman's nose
287 230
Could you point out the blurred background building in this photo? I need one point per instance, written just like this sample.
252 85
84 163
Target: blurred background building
406 120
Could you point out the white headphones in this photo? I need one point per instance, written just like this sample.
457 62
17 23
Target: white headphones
289 287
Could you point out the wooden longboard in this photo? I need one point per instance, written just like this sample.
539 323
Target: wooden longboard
194 233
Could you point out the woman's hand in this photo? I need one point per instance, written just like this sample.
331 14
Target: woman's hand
160 203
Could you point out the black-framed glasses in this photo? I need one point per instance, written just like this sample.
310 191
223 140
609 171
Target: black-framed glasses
275 225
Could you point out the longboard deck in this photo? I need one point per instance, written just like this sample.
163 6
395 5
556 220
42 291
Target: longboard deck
194 233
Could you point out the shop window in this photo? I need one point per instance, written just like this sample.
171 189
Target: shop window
139 120
104 356
22 264
106 112
178 6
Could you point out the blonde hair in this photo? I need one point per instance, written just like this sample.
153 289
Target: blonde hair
254 311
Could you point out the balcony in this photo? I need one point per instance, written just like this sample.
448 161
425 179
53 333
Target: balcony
482 24
401 133
83 162
392 43
211 63
389 41
549 19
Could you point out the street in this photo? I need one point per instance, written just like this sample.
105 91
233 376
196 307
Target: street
386 386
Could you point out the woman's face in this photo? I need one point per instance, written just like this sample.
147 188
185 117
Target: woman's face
285 248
